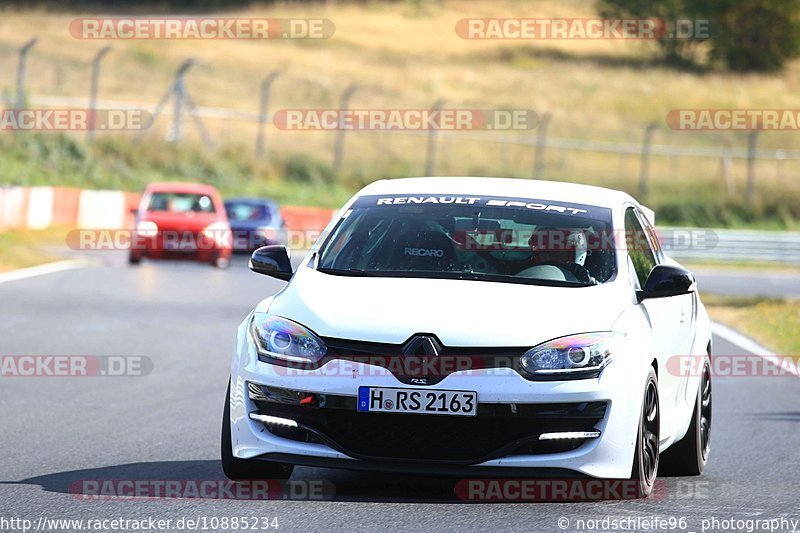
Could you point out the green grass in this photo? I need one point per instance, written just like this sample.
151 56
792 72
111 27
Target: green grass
301 179
63 160
775 323
25 248
757 265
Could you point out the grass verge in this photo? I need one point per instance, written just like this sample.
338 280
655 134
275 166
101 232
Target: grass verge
775 323
309 179
755 265
26 248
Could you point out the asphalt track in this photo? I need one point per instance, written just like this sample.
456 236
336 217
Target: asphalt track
774 284
165 425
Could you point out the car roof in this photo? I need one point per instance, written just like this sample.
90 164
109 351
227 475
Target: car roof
259 201
181 187
513 187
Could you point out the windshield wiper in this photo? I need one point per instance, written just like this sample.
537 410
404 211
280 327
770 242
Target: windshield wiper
346 271
482 276
453 274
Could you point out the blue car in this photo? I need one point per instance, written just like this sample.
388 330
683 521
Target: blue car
254 223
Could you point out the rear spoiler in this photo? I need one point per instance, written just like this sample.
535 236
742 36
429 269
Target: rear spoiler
650 214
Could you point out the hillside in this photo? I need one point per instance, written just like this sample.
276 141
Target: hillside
406 55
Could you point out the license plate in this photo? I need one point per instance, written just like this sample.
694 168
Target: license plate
426 402
178 246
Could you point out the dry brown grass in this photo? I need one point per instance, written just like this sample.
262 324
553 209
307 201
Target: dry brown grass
774 322
24 248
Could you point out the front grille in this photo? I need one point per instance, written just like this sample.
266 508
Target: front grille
349 347
423 369
497 430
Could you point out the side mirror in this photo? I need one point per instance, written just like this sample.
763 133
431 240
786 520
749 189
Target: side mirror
667 280
272 261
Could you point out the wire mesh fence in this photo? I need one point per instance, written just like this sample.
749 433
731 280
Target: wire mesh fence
643 157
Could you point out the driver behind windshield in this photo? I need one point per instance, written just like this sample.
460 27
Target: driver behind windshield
564 249
464 242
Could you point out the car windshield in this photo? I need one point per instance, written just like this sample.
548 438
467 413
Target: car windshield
178 202
481 238
247 212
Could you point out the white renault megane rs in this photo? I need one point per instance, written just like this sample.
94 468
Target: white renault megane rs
477 326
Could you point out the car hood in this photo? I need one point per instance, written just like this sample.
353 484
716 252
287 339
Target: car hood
251 226
460 313
181 221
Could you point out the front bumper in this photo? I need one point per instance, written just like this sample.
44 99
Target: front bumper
498 430
503 437
192 246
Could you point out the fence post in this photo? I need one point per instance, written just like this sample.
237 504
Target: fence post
750 191
338 147
780 158
23 58
725 163
644 186
266 85
447 148
179 89
93 92
430 162
541 141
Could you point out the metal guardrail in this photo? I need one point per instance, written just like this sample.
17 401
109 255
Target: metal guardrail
725 245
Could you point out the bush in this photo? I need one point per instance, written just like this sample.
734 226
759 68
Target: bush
668 11
304 169
746 35
756 34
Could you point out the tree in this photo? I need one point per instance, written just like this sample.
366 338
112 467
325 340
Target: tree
669 13
756 34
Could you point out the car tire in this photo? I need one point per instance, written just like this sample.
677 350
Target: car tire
646 457
134 259
246 469
688 456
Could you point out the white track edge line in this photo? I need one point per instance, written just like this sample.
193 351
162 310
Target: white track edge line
750 345
40 270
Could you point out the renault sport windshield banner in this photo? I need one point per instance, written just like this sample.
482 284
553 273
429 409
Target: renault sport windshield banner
549 206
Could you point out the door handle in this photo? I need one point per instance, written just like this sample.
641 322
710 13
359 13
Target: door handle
684 315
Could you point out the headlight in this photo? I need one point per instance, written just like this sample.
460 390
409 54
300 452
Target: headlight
280 338
219 232
147 228
575 356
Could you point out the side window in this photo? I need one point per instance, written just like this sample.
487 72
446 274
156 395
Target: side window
652 236
639 250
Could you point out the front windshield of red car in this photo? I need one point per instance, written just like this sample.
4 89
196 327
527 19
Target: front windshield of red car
174 202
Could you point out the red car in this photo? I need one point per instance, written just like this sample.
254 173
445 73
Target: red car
182 221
